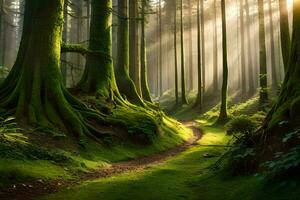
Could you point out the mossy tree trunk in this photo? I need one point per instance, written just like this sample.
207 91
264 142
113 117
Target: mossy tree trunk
144 77
134 52
263 78
288 105
183 84
125 84
33 91
284 32
99 78
223 111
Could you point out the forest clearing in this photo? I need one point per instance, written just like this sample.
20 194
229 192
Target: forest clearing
149 99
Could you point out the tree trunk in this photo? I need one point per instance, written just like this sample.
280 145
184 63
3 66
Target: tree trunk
64 66
98 77
263 77
183 87
134 69
160 51
272 47
223 111
175 53
243 62
144 76
33 91
191 71
125 84
284 32
199 95
203 46
250 57
215 51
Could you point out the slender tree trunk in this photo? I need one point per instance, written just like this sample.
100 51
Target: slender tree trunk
215 51
263 77
175 53
243 60
125 84
203 46
249 44
1 29
134 69
284 32
64 66
183 87
223 111
199 96
272 47
191 71
160 50
144 75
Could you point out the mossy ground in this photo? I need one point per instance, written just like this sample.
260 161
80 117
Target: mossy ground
27 155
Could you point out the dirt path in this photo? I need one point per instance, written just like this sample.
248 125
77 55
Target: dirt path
39 188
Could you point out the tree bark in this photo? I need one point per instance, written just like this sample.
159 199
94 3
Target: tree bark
134 53
199 95
33 91
284 32
263 77
144 72
125 84
175 54
183 87
272 47
215 50
223 110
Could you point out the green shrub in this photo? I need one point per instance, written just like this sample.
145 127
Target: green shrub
241 125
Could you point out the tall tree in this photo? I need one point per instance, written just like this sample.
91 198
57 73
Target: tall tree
262 54
272 46
144 76
223 110
125 84
215 49
160 49
65 40
243 59
191 71
203 45
33 91
183 87
249 50
134 61
284 32
199 95
175 53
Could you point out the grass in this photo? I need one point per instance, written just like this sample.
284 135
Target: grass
23 157
187 176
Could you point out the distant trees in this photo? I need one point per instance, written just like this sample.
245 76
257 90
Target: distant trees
175 54
199 94
215 49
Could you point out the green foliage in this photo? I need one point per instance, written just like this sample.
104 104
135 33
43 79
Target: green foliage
241 125
285 162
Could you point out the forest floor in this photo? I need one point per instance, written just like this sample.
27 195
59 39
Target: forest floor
35 189
188 171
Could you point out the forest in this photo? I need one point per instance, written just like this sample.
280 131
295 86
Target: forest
149 99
